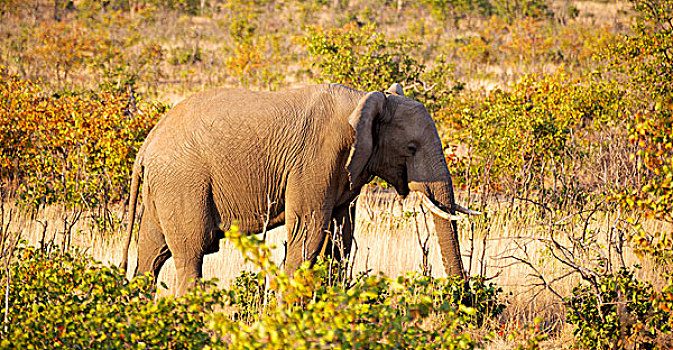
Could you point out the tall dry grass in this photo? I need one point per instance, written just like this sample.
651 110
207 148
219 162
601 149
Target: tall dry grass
509 244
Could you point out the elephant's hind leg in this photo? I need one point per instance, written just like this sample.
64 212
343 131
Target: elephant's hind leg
152 249
190 232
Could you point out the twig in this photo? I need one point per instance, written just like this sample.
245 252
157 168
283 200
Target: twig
619 247
7 248
482 270
534 202
425 266
267 218
538 275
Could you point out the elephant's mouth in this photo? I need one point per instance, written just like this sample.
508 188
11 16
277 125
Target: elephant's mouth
403 188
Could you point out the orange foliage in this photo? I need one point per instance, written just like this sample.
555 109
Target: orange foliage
71 149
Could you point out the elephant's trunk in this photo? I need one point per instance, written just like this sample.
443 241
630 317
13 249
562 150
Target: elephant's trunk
441 194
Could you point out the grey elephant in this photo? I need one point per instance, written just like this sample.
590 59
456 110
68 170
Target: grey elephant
297 157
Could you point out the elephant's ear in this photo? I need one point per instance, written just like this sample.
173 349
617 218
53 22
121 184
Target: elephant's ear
362 120
396 89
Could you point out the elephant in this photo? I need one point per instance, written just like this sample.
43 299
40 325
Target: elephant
297 157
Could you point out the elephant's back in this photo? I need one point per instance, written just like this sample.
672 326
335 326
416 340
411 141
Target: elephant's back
231 121
246 104
206 110
242 103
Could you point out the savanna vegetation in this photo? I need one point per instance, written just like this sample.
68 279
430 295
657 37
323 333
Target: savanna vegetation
557 122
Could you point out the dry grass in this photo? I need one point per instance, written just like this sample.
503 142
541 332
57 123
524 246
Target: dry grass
387 242
602 13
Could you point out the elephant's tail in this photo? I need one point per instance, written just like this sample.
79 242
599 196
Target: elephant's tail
133 199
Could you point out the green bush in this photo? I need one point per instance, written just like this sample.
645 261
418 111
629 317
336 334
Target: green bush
475 293
521 8
248 296
355 319
248 291
513 134
643 61
65 300
444 11
61 300
616 311
360 57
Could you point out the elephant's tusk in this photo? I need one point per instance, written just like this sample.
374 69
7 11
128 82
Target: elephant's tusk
464 210
435 209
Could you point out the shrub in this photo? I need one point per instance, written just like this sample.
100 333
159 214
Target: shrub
617 312
520 8
75 149
108 52
62 48
248 296
355 319
248 291
482 297
360 57
444 11
514 135
255 62
530 40
67 301
643 62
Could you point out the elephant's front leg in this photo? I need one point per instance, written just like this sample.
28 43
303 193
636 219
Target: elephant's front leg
307 219
306 232
338 243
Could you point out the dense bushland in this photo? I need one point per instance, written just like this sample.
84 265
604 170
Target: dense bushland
156 47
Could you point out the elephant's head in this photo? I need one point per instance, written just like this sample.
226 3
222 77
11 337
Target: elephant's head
396 139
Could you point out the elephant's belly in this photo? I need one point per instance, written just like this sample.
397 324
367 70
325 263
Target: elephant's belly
250 200
253 224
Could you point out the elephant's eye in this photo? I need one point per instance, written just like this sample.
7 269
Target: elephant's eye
412 149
